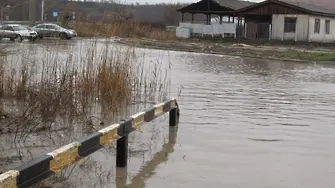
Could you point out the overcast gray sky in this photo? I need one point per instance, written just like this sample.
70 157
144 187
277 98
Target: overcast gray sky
166 1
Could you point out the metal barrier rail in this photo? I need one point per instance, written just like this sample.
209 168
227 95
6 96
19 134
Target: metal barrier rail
53 162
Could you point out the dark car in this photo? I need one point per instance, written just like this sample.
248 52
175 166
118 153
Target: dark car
53 30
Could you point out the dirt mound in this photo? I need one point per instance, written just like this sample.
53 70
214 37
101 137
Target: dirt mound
240 45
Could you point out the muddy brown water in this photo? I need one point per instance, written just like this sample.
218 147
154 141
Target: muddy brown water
244 123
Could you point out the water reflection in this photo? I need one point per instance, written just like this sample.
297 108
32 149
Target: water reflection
262 68
121 177
238 65
148 169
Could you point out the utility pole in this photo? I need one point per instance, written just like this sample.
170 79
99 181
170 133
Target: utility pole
2 13
32 12
42 11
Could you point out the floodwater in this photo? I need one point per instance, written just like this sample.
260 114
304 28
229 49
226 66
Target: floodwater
244 123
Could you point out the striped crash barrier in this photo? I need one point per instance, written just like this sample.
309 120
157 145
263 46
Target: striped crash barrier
53 162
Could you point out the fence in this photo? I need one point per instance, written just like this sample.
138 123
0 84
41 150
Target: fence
51 163
213 29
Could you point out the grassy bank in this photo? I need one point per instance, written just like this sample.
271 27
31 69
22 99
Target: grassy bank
124 29
290 53
156 36
312 56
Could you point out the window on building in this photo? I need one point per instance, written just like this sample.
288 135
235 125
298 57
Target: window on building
289 25
327 25
317 26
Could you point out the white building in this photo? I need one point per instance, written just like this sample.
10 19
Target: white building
284 20
311 28
270 20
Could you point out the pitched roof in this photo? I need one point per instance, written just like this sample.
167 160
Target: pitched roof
217 5
309 6
234 4
304 7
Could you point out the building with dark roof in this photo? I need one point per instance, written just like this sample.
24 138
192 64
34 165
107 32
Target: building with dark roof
286 20
214 8
270 19
235 4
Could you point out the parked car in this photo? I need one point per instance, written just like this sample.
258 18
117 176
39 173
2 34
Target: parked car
16 31
53 30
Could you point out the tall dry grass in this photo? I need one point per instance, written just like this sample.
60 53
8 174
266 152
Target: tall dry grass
124 29
2 72
70 85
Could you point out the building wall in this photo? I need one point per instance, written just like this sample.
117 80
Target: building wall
277 26
304 28
322 36
301 33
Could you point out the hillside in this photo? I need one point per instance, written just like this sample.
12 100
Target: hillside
329 4
165 14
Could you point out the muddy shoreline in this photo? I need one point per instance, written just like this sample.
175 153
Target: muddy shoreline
279 53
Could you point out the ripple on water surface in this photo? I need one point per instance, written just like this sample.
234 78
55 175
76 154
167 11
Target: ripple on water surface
255 123
244 123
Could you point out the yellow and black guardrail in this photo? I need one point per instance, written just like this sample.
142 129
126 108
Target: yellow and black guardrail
53 162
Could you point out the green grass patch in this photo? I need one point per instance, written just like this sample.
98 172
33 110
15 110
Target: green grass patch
312 56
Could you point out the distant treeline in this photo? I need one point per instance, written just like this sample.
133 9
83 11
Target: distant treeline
163 14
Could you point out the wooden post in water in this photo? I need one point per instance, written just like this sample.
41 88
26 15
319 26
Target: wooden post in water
122 151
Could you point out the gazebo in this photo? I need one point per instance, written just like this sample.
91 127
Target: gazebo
210 8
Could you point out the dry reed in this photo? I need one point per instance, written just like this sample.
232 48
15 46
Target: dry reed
125 29
69 86
2 72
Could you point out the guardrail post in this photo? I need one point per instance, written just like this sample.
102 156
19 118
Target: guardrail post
173 119
122 151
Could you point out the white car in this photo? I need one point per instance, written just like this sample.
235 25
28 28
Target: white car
16 31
